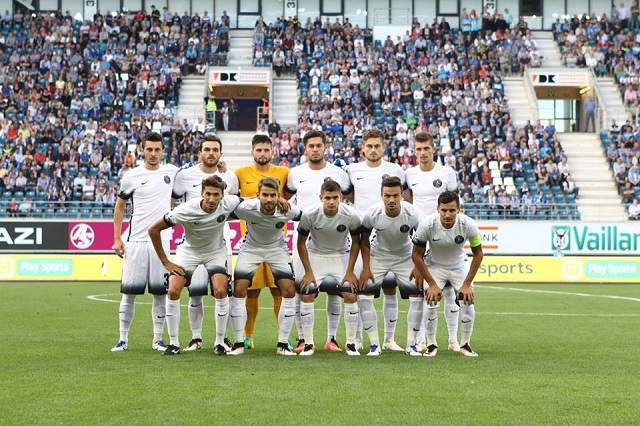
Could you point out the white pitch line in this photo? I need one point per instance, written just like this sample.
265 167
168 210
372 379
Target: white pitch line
527 290
101 298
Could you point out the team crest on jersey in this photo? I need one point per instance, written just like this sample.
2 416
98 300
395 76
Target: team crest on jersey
280 225
341 228
167 179
459 239
437 183
221 218
404 228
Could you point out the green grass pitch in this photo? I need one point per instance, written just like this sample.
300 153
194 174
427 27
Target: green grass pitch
546 357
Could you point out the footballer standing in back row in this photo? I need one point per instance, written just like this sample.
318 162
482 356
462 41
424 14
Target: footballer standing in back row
149 187
425 182
366 178
304 183
187 185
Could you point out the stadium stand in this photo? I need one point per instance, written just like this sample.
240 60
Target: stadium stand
77 97
610 46
436 79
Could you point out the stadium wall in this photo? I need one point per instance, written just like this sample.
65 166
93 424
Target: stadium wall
56 250
365 13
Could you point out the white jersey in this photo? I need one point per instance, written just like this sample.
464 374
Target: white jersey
264 231
366 182
203 232
329 235
189 179
427 186
392 234
150 193
306 182
447 245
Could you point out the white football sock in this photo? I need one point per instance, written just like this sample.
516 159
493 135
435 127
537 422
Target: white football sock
369 318
390 314
334 305
414 316
299 326
173 321
307 318
125 315
238 316
467 319
351 315
196 316
451 312
286 318
359 327
222 317
430 315
420 337
158 314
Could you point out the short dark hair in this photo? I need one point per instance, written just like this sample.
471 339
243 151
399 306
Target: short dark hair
373 133
260 139
152 137
425 137
210 137
391 182
330 185
313 134
447 197
214 181
269 182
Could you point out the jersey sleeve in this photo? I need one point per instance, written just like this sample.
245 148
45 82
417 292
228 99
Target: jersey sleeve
231 202
245 210
452 180
355 225
304 227
179 188
126 186
367 224
344 181
422 234
233 183
473 233
292 184
177 215
294 213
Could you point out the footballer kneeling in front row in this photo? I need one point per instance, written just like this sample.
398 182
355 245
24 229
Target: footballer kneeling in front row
446 233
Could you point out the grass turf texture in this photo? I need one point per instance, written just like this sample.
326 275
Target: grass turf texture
551 369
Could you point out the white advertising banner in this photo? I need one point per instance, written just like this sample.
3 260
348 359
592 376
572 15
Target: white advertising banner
554 78
219 76
290 8
90 9
547 238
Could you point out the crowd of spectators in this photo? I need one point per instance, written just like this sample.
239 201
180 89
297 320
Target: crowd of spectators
622 146
76 97
434 79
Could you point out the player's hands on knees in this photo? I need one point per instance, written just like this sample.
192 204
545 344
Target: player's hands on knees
434 294
175 269
466 293
283 205
415 275
307 280
118 247
351 278
365 276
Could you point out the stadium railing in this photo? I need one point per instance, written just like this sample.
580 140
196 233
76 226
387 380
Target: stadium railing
482 211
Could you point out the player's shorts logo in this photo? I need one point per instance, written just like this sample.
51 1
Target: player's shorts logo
437 183
82 236
459 239
221 218
167 179
280 225
404 228
341 228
